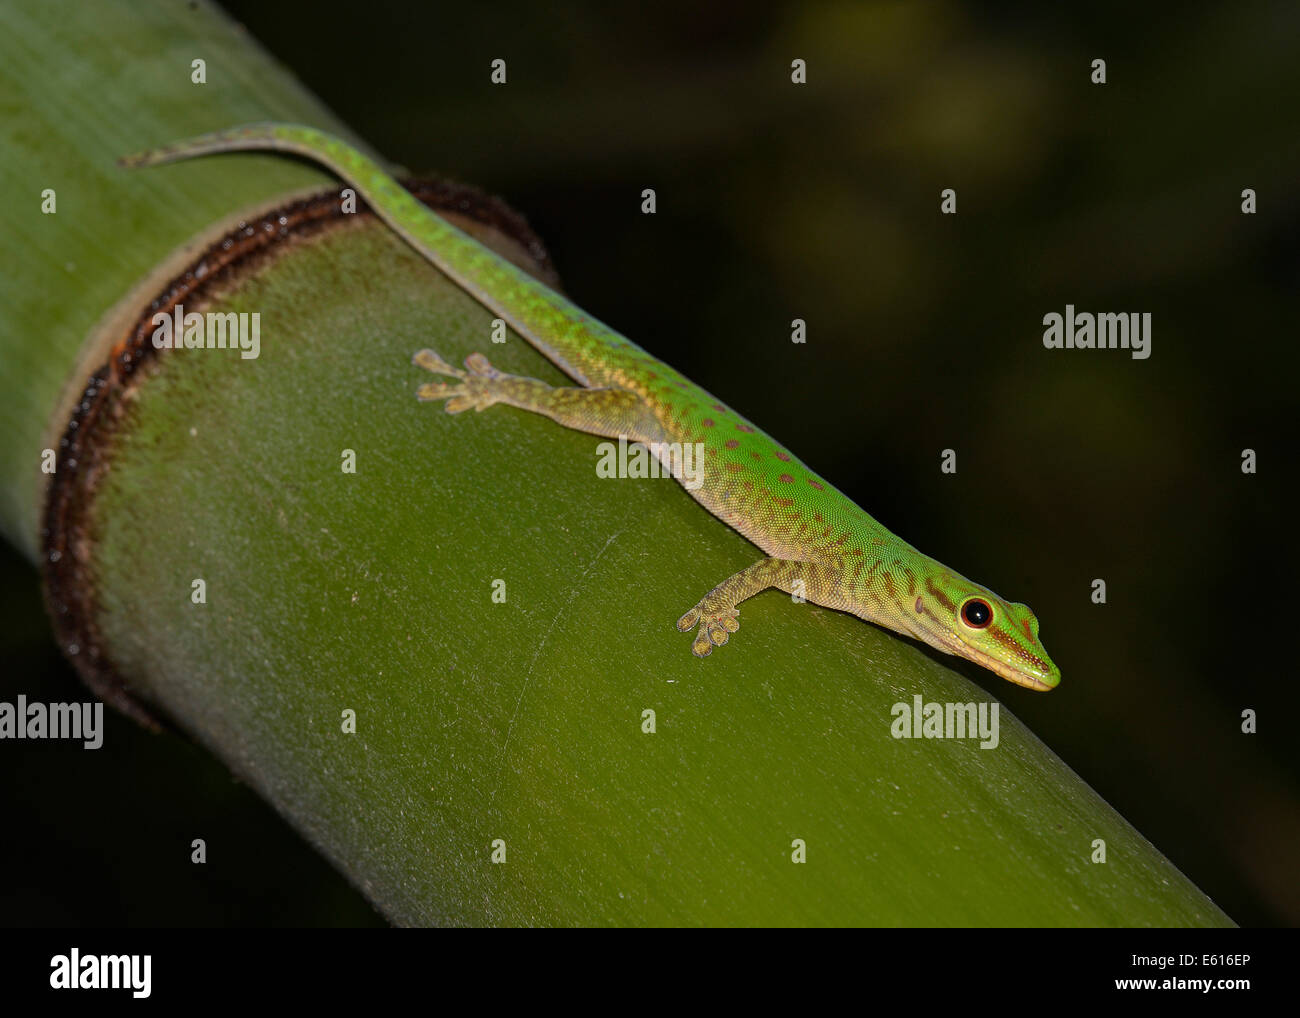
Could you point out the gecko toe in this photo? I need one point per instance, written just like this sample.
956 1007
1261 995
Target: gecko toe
480 365
430 361
430 391
716 621
473 391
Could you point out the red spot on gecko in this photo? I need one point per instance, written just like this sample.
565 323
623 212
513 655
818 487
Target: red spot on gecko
782 457
857 551
708 422
719 407
756 455
815 484
735 468
1028 632
786 479
745 428
818 517
733 443
784 503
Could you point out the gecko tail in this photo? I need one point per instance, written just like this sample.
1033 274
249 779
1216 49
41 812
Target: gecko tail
248 137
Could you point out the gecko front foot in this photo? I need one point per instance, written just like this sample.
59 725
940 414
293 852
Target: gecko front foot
717 621
476 389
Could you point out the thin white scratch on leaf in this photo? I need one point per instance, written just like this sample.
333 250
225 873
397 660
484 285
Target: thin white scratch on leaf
510 729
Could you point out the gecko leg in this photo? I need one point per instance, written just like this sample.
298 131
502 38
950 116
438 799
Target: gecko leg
608 412
716 614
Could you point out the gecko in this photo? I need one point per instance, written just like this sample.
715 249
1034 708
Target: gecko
816 542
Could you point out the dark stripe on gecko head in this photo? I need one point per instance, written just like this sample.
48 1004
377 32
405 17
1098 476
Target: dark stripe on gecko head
1009 641
939 595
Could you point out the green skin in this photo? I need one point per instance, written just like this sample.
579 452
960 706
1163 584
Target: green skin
818 543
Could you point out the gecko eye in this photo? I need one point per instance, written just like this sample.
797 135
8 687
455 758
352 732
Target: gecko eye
976 613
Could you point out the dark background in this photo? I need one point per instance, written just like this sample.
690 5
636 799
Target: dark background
924 332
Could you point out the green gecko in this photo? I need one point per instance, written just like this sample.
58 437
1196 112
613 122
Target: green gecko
816 541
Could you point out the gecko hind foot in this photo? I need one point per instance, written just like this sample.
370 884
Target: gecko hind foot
717 621
474 391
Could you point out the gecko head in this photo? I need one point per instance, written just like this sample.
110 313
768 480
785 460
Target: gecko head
961 617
